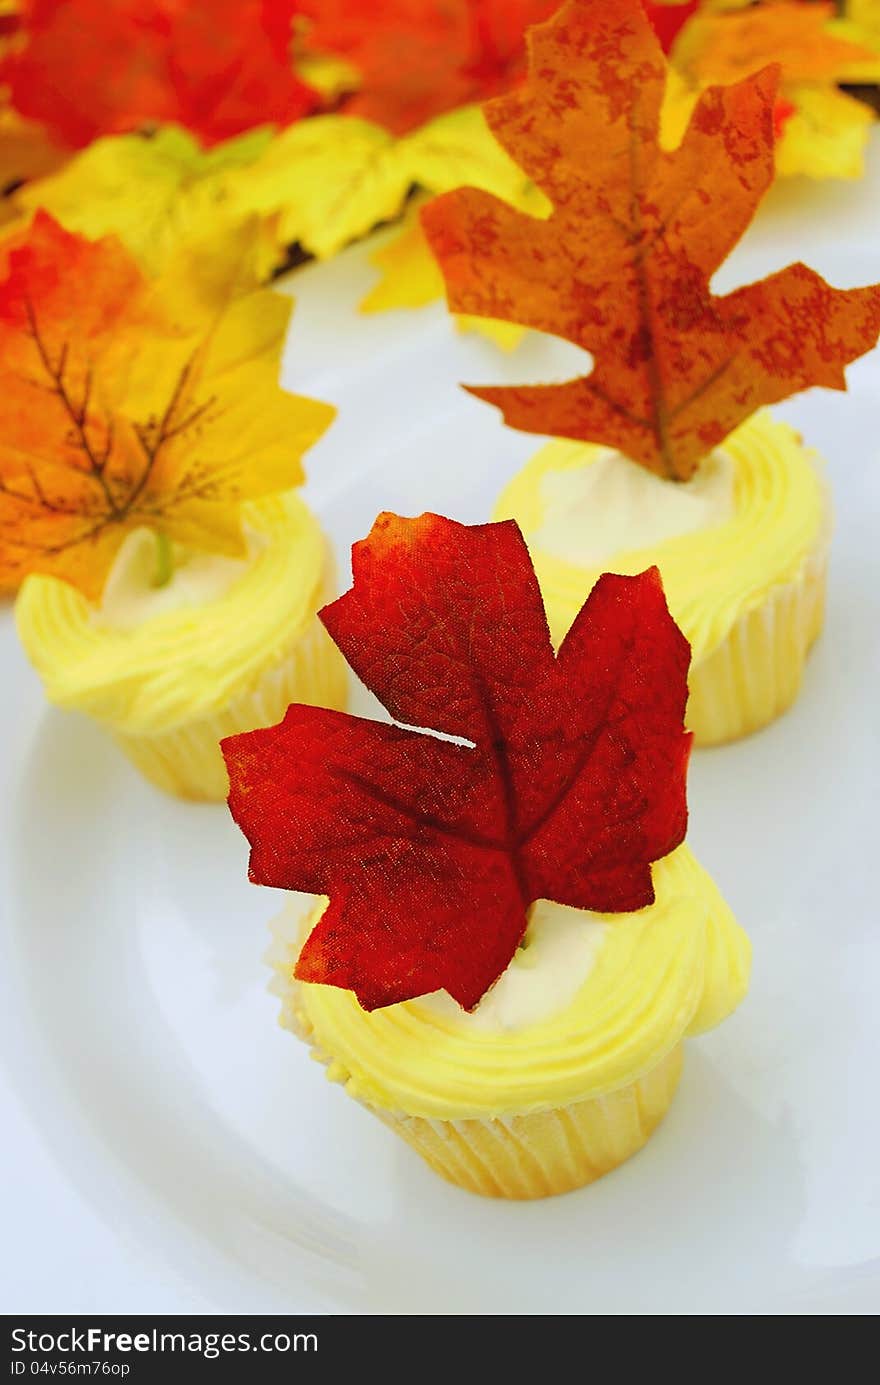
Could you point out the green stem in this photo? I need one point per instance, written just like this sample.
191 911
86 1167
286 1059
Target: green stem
164 560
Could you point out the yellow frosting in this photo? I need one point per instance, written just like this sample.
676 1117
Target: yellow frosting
713 573
190 660
664 972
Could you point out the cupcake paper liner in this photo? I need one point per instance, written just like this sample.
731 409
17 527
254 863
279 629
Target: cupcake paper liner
542 1153
187 761
755 674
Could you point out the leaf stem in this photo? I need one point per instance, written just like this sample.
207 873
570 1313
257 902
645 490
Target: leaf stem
164 560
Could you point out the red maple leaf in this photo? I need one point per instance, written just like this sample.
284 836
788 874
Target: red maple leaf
419 58
782 113
96 67
566 780
622 266
668 20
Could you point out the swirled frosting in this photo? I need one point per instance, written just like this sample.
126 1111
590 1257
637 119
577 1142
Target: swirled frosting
749 519
654 976
202 644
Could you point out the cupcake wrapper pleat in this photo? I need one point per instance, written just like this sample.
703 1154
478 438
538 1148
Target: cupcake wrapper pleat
187 760
542 1153
755 673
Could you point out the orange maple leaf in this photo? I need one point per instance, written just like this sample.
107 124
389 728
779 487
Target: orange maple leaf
726 46
115 413
622 265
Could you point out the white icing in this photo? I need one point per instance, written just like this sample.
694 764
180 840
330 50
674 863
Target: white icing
131 596
543 977
613 505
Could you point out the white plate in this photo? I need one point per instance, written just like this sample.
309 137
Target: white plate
168 1147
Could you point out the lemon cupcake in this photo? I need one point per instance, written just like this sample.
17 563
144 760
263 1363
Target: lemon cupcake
511 939
567 1064
667 455
225 645
742 547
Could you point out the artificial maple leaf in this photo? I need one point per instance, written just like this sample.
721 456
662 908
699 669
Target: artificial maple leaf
622 265
725 46
412 60
93 67
328 181
158 194
864 17
668 18
127 404
570 783
331 179
419 58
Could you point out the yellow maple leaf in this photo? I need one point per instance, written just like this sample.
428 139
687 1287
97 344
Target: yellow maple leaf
126 403
860 23
824 137
321 183
329 180
459 150
332 179
866 14
157 193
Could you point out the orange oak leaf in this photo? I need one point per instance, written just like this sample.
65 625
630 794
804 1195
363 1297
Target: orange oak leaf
93 67
120 410
566 780
623 264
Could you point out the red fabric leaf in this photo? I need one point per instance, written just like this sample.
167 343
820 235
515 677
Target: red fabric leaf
570 783
622 267
419 58
96 67
668 20
782 113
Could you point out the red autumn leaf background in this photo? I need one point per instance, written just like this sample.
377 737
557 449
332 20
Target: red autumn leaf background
570 783
96 67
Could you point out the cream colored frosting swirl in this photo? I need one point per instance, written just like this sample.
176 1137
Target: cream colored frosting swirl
190 659
719 555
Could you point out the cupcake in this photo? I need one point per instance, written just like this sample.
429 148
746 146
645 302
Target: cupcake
664 453
169 577
225 645
742 546
509 938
